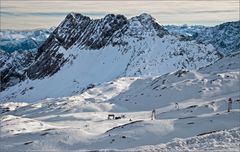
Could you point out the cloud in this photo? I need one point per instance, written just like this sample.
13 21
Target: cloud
19 14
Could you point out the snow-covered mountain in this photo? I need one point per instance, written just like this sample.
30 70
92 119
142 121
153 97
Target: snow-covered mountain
76 30
17 53
82 52
224 37
80 122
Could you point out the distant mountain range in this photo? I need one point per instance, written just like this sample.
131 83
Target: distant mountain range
227 32
224 37
12 41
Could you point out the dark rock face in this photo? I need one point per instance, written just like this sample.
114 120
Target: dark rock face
71 29
138 27
12 66
48 59
75 29
46 62
99 32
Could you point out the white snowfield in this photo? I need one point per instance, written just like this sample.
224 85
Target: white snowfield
80 122
220 141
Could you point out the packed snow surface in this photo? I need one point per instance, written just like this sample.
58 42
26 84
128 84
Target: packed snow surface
80 122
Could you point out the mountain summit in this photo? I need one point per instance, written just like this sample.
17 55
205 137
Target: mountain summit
86 33
83 51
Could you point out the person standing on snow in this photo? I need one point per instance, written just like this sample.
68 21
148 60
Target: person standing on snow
176 106
153 114
229 104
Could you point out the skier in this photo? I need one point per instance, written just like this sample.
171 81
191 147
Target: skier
229 104
153 114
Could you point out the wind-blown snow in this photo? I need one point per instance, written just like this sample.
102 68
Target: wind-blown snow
221 141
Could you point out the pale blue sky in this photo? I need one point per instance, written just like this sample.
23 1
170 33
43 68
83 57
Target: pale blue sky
31 14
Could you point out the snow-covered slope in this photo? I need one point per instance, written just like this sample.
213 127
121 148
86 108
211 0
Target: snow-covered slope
219 141
79 122
73 57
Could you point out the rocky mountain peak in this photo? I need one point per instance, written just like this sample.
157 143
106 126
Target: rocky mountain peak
148 23
99 31
145 18
136 37
75 29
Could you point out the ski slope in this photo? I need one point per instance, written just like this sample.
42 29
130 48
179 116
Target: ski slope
80 122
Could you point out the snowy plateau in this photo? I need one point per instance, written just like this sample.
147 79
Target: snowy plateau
118 84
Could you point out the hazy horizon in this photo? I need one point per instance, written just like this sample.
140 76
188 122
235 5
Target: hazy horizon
34 14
